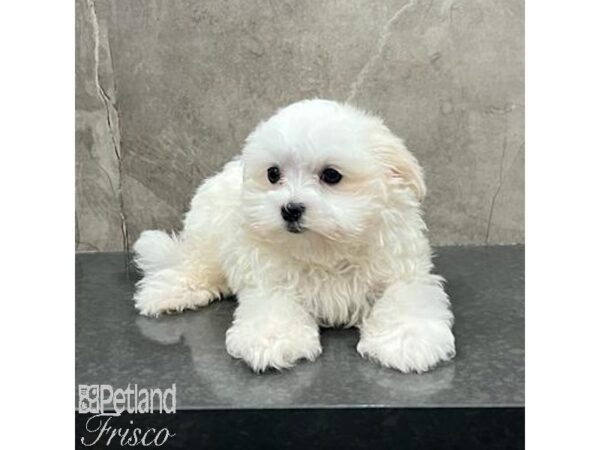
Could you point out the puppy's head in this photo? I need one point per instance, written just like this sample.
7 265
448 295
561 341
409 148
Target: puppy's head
321 170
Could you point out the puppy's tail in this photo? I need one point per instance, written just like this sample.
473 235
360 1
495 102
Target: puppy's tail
155 250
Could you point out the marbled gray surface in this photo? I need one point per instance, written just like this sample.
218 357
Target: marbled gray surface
114 345
167 90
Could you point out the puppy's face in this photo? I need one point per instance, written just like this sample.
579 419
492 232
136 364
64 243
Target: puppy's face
318 169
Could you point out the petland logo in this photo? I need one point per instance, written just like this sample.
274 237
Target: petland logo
105 403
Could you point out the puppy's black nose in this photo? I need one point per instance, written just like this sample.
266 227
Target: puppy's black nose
292 212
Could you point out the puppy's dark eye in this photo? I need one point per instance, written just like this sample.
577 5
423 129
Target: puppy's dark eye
273 174
331 176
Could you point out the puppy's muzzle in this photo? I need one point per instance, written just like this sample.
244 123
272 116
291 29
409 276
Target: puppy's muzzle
292 213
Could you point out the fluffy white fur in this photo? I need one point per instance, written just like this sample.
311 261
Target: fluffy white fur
363 258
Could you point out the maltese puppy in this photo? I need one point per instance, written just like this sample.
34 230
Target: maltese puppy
317 223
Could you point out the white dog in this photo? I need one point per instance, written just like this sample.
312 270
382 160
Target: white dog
318 223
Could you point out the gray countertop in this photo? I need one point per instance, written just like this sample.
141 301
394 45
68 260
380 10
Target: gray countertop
114 345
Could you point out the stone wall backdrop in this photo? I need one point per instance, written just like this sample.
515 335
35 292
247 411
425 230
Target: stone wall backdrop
167 91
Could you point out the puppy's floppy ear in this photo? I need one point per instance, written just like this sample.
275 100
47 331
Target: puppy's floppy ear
403 167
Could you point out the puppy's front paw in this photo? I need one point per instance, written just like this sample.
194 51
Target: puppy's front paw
176 300
165 292
273 346
409 347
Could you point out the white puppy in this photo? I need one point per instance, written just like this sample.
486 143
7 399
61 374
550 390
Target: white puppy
318 223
